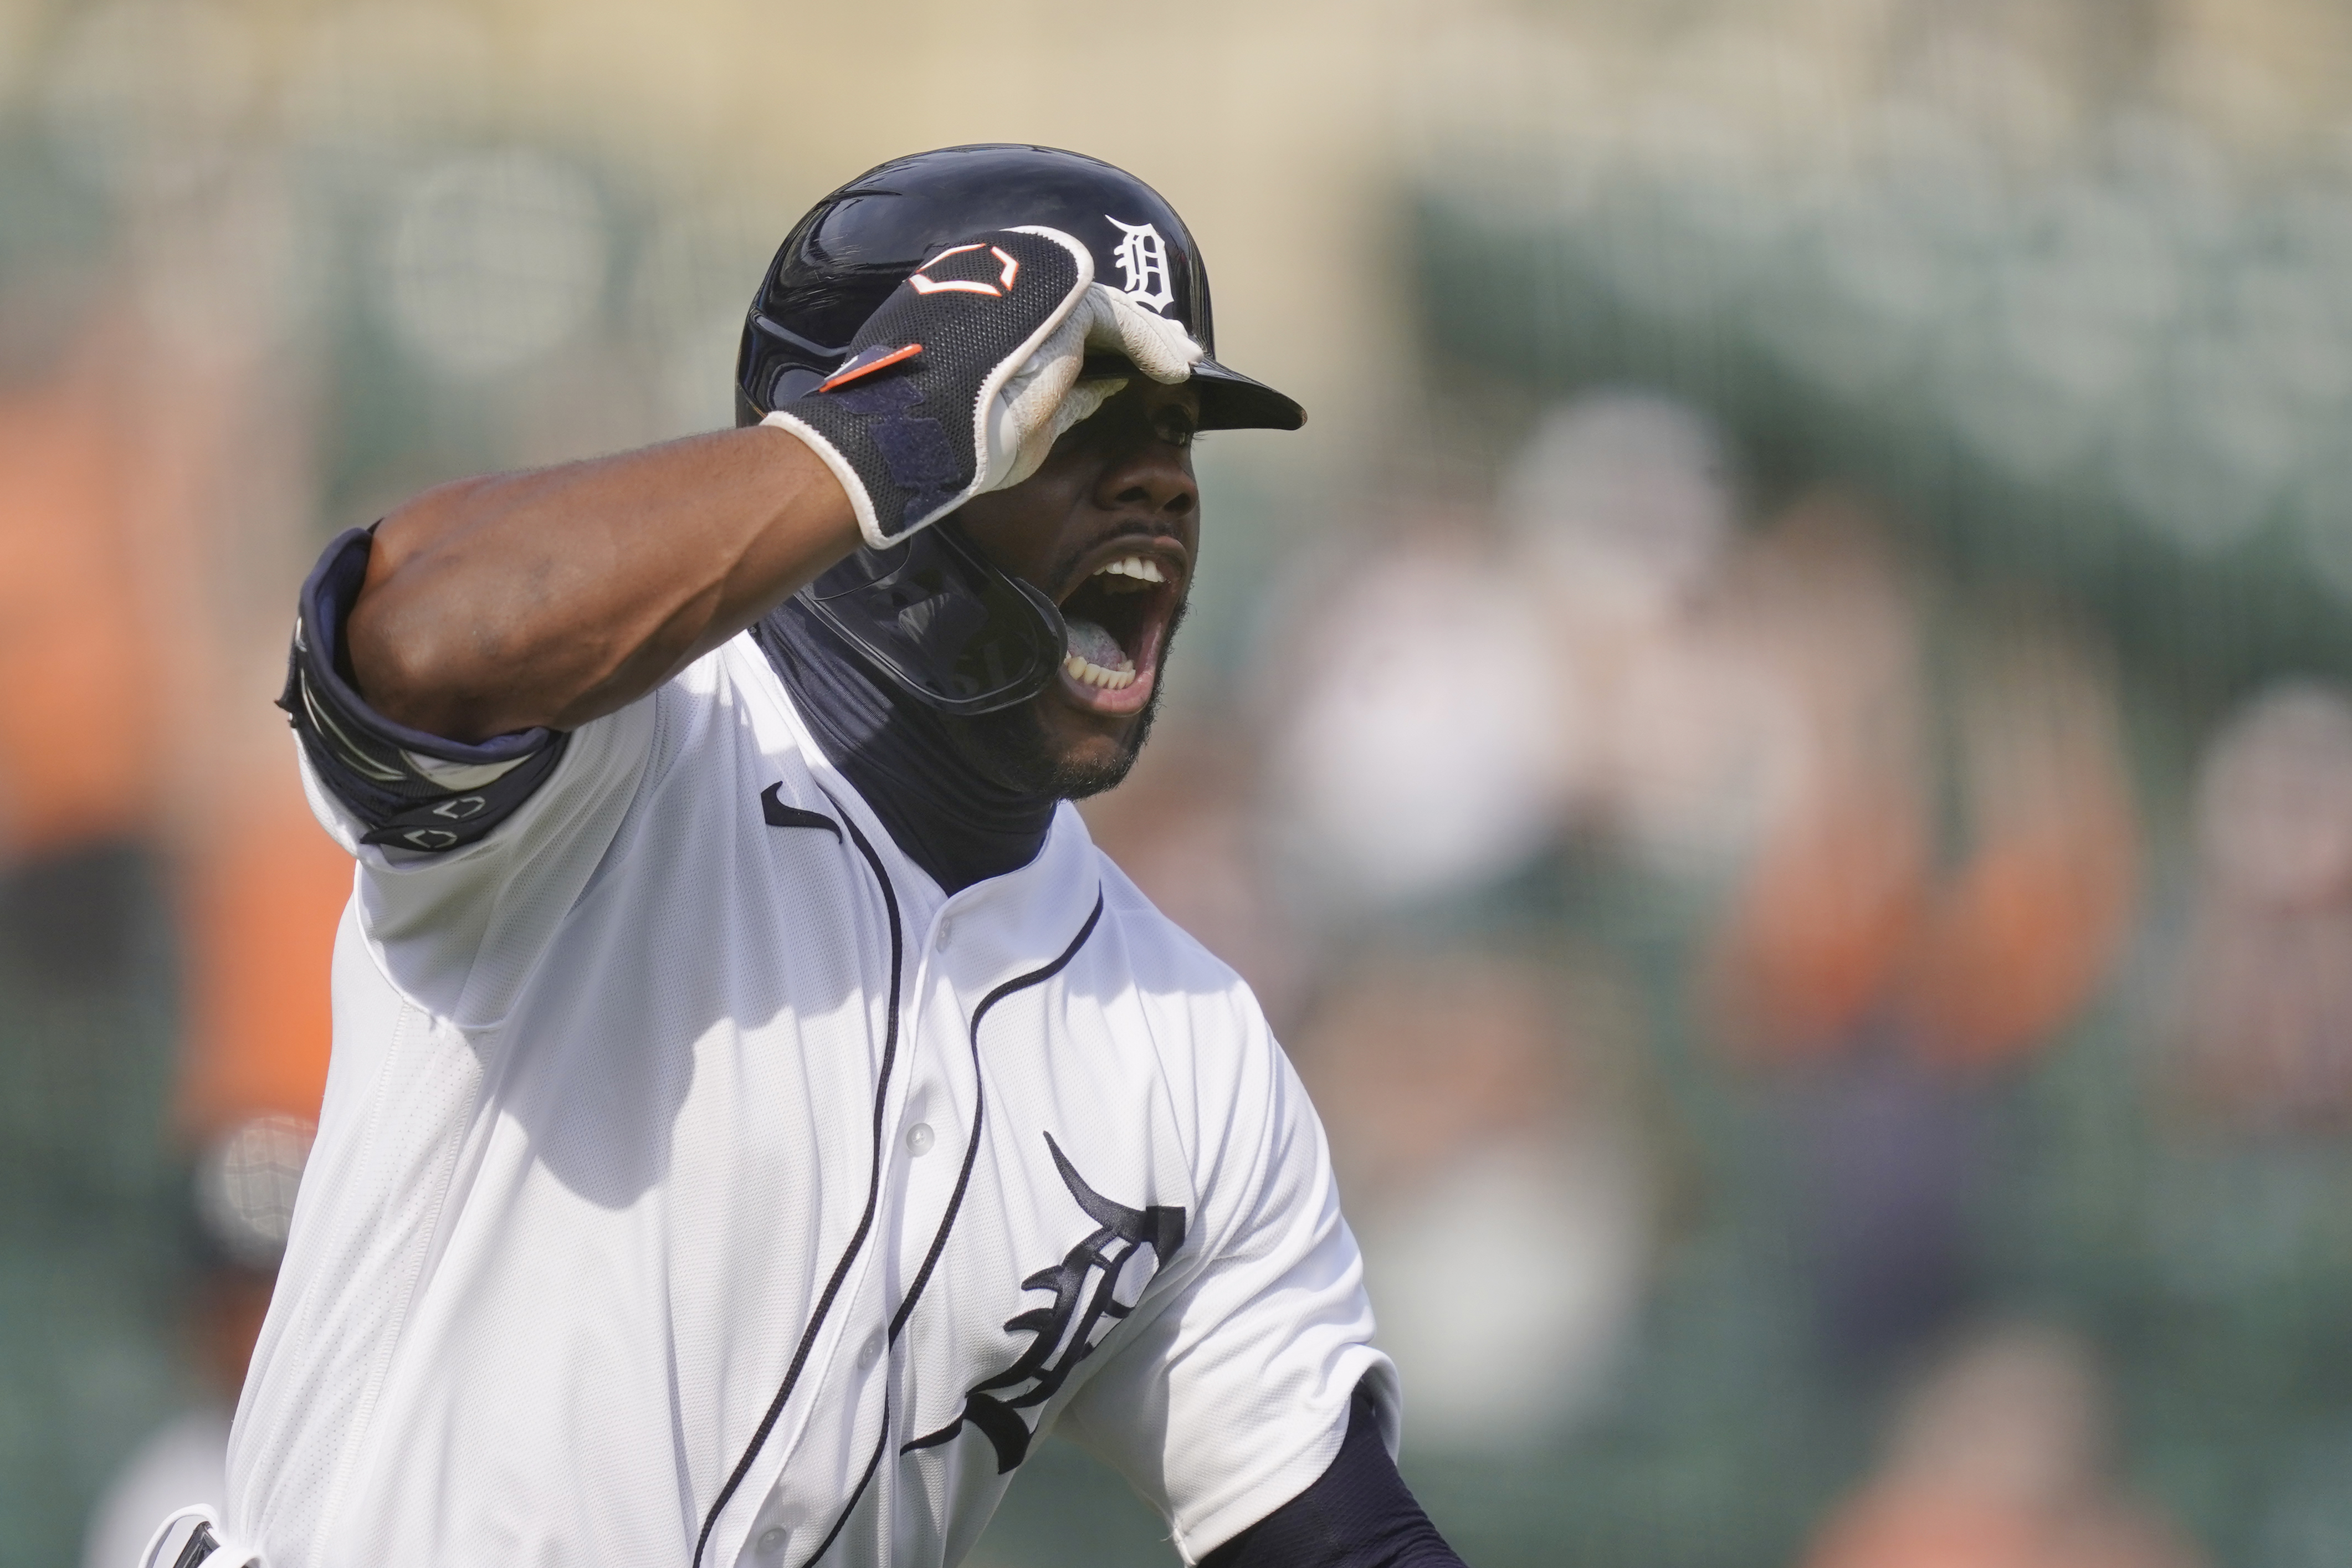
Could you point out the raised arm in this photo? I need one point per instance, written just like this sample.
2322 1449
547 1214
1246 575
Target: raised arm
552 598
506 604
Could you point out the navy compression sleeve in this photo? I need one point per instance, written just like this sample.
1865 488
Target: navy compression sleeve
1358 1514
412 790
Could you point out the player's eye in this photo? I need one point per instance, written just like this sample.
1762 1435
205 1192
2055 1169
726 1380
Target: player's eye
1176 429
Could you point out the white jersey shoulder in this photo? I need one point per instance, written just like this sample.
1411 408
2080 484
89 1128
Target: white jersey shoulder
696 1183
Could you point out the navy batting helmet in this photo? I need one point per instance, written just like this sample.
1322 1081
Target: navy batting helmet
847 254
932 613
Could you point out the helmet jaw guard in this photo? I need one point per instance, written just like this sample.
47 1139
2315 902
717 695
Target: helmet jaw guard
933 613
942 623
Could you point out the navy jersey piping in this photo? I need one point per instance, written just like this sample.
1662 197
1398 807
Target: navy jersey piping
979 1106
858 1494
955 1202
865 1224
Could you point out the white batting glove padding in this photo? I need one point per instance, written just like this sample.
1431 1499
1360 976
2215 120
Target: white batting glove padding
1046 397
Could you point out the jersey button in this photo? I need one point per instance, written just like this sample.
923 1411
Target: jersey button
772 1540
919 1139
945 937
871 1350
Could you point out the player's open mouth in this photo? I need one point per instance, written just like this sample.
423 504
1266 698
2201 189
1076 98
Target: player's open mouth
1117 618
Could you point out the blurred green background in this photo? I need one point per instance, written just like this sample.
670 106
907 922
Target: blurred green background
1778 751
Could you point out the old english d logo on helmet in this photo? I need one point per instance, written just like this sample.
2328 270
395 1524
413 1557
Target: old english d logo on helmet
1142 259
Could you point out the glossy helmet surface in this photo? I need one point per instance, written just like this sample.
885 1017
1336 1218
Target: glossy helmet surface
847 254
931 614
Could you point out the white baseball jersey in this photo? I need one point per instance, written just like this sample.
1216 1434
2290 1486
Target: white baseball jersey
695 1184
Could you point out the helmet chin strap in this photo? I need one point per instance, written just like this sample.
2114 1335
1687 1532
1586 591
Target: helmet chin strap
942 622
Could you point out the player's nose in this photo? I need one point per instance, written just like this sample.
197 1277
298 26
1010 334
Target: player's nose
1149 474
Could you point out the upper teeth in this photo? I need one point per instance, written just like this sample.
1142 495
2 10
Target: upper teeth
1133 566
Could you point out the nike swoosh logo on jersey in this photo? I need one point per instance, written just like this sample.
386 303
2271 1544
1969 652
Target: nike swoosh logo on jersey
779 815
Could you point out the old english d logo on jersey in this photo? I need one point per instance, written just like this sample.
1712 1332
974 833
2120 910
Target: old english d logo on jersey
1086 1308
1141 258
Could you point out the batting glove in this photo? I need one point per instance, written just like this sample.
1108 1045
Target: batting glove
970 371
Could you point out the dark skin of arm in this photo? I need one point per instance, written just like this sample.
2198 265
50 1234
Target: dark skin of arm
558 596
554 597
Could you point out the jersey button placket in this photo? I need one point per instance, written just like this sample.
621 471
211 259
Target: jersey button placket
768 1545
864 1303
938 1123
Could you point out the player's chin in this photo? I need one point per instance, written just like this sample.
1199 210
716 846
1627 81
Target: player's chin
1091 749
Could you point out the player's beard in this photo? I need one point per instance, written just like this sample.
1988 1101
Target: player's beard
1011 745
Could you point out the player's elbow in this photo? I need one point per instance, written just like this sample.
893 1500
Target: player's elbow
417 670
423 653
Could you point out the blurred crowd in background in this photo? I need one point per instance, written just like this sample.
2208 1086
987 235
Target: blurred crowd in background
1779 753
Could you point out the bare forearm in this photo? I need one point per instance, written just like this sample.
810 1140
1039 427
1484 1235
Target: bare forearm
552 598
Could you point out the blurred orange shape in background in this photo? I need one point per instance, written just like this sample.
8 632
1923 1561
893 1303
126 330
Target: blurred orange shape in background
78 742
1845 916
100 693
1828 912
260 930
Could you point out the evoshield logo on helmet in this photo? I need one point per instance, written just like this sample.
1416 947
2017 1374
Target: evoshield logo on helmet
1142 256
997 291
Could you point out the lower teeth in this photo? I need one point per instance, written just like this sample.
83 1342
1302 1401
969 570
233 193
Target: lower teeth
1095 656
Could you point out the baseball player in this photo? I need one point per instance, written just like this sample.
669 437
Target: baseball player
757 1113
